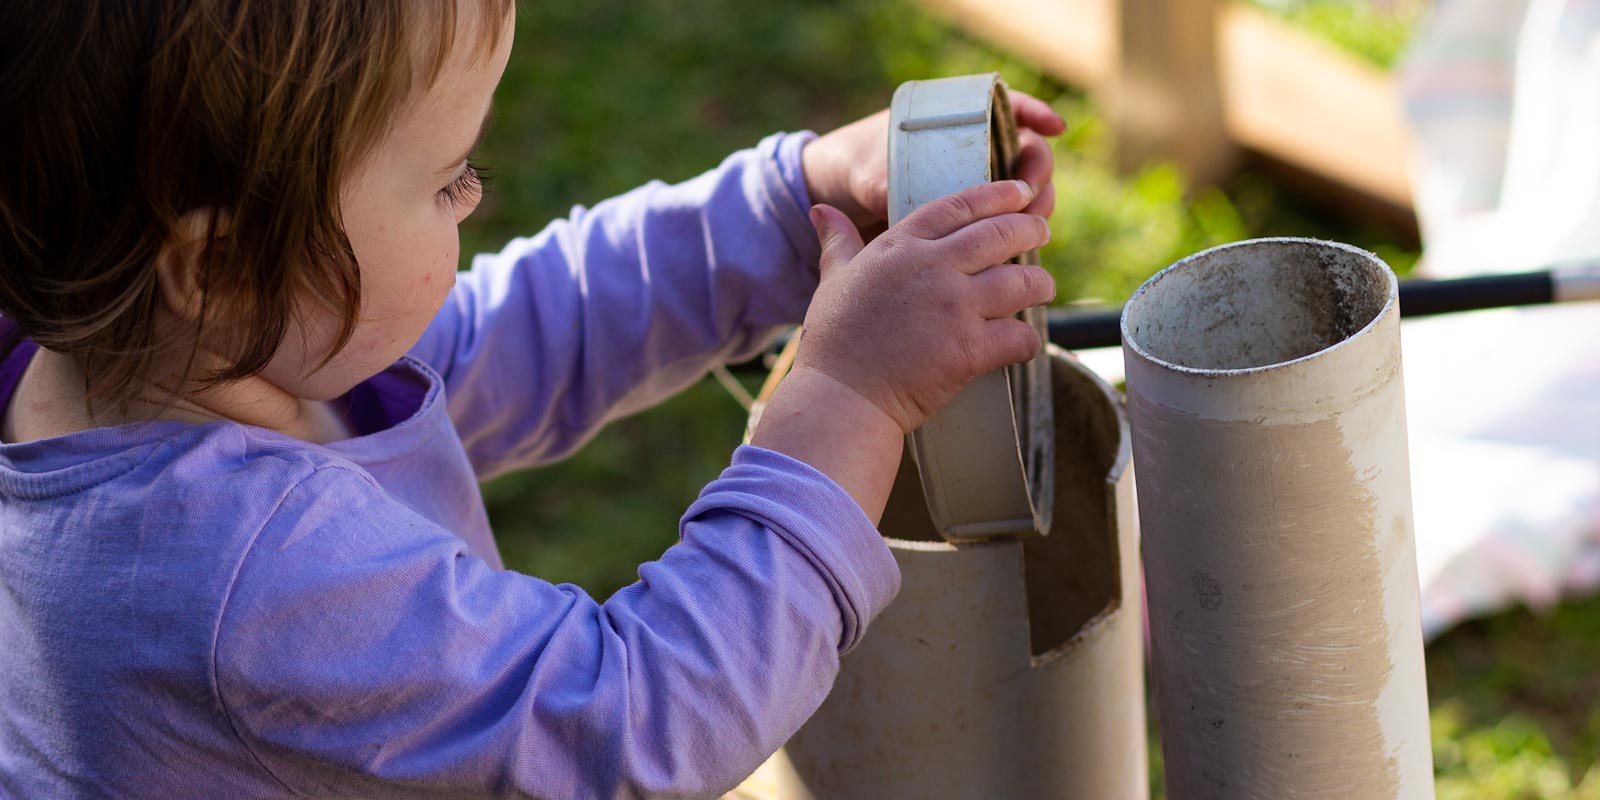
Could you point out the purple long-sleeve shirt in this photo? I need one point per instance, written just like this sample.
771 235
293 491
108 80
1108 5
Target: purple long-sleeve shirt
222 611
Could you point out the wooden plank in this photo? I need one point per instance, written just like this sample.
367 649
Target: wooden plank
1301 101
1166 101
1285 94
1070 39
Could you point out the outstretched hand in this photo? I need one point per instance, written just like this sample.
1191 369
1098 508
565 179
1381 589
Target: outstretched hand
849 167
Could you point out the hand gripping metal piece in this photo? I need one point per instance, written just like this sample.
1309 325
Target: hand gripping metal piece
986 459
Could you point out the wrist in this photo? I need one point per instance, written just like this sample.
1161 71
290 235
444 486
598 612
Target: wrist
811 170
815 418
821 173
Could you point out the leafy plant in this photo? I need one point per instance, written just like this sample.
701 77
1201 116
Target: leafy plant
1375 32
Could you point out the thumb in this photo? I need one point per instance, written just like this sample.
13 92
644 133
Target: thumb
838 236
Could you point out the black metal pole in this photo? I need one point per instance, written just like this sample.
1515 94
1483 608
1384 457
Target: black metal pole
1083 330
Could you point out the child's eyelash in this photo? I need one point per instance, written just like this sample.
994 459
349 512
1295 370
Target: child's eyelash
474 181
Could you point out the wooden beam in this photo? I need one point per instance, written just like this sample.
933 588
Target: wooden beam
1165 98
1302 101
1070 39
1285 93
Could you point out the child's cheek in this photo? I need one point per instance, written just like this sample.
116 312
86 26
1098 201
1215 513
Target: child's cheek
429 289
444 273
436 285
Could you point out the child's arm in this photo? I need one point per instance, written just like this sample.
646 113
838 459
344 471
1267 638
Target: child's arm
616 307
364 652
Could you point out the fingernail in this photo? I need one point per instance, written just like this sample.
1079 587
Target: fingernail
1027 191
816 218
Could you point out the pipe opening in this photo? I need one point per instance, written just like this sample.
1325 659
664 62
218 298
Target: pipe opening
1072 577
1256 304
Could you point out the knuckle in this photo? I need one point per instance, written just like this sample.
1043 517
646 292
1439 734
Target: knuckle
959 207
1032 285
1003 238
918 224
933 283
968 352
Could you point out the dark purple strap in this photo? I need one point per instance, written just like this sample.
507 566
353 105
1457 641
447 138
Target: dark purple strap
380 402
16 351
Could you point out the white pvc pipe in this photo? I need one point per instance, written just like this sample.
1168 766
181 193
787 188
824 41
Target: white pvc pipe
1274 496
1003 669
984 459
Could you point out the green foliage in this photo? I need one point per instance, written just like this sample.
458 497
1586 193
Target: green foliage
1111 233
1516 706
602 96
1511 760
1360 27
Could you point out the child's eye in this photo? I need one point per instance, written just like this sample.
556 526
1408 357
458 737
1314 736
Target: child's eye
467 189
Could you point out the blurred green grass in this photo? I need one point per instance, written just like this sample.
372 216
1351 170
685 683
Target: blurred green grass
1376 32
602 96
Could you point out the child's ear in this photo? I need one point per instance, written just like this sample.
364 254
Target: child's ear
178 265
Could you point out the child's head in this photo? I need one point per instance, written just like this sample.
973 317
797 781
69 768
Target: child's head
213 189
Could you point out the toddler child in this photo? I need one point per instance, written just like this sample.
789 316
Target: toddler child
247 400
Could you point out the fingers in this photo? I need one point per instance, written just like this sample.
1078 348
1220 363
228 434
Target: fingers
1036 165
1034 113
838 236
1045 204
953 212
1003 342
1005 289
987 242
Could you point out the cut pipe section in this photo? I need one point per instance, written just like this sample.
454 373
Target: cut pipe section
1011 668
985 458
1268 421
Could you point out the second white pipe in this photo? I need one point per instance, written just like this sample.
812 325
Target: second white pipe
1268 422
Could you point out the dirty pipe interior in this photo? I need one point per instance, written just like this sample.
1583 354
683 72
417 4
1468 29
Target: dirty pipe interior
1245 310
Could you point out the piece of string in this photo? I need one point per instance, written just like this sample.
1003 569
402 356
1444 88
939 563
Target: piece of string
736 389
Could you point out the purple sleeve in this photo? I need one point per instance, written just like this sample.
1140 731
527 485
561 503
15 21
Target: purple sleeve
617 307
363 652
